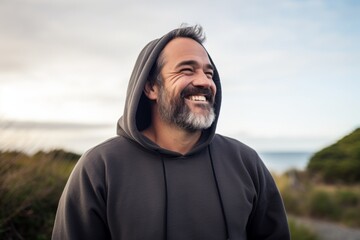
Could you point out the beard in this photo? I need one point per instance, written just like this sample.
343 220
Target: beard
176 112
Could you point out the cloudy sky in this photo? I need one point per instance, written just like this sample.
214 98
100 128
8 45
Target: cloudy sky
289 69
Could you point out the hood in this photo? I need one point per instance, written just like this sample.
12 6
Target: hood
137 112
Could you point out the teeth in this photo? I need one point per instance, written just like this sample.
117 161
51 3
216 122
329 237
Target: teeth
198 98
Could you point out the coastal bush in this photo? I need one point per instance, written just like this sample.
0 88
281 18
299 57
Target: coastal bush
292 202
30 188
322 205
339 162
300 232
347 198
337 203
350 203
351 217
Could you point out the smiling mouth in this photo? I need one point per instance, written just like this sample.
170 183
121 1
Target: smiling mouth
198 95
197 98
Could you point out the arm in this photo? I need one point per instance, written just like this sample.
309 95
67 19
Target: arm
81 213
268 219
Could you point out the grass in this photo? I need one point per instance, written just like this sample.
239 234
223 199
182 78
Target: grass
30 188
305 197
300 232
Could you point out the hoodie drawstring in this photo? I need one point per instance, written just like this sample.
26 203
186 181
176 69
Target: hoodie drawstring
218 191
166 199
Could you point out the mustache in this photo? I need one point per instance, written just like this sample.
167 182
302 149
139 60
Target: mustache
191 90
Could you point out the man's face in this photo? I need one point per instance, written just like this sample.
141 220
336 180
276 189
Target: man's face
186 95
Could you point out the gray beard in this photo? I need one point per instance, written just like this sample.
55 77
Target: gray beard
176 112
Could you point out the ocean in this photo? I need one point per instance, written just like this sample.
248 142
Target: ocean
280 162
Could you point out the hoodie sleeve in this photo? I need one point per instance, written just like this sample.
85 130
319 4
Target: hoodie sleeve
252 204
268 219
81 212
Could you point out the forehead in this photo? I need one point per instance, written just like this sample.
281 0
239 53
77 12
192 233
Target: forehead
180 49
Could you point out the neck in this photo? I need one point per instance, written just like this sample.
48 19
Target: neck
172 138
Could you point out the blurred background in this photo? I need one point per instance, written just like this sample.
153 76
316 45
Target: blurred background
289 71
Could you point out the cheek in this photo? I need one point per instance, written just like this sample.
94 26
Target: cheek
180 87
213 88
173 93
177 83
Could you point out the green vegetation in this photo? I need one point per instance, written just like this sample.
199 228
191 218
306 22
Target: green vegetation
30 188
300 232
336 203
340 162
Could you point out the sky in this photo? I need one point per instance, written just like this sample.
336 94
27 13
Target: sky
289 69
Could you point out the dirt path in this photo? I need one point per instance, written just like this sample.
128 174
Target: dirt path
329 231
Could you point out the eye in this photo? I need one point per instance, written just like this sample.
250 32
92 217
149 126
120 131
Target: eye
187 71
209 74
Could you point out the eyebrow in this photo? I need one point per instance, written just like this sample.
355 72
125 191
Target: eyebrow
193 63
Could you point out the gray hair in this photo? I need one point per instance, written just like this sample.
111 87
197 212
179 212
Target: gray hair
194 32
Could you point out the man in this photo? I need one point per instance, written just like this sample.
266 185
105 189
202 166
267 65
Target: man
167 175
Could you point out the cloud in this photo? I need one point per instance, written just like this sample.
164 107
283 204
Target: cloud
68 61
31 125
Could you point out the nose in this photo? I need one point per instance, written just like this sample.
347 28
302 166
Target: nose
202 80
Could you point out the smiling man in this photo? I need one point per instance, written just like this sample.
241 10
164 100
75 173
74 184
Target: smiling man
183 96
168 175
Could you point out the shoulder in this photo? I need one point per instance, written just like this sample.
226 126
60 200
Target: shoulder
97 157
113 147
108 146
232 144
93 165
234 153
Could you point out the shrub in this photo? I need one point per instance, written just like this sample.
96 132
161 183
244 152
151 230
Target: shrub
351 217
339 162
292 202
29 193
322 205
300 232
347 198
339 203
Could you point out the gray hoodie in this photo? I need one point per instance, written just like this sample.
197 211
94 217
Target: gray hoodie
130 188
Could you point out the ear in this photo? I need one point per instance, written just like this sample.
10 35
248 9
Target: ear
151 91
